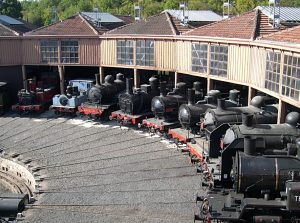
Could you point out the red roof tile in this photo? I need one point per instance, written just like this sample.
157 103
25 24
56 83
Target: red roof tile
161 24
74 25
249 25
291 35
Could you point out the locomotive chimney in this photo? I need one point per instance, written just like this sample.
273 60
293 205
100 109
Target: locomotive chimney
221 104
129 85
26 87
153 81
197 86
233 95
249 146
162 88
191 96
97 76
247 119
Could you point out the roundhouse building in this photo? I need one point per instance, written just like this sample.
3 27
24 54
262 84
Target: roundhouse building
244 50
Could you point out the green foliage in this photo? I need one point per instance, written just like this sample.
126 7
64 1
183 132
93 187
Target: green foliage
39 13
11 8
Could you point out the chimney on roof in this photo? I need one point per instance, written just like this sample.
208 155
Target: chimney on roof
226 9
137 13
185 18
274 17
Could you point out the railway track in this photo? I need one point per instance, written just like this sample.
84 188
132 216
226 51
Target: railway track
102 173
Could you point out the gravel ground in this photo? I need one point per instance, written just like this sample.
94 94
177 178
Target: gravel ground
100 172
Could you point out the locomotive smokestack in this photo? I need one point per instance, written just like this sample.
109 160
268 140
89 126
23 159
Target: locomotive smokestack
129 85
247 119
191 96
97 76
221 104
197 86
162 89
26 87
233 95
153 81
249 146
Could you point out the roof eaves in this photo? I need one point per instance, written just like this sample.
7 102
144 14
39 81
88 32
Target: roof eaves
171 23
256 25
13 31
89 25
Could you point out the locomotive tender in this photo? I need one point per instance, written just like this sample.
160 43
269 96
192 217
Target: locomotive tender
76 94
103 98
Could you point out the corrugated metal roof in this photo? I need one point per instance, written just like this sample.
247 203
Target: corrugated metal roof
286 13
4 19
195 16
101 17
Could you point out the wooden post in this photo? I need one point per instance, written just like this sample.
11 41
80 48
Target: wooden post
210 84
176 78
101 73
281 112
251 94
61 79
136 78
24 76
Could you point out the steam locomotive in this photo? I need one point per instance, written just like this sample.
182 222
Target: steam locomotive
135 105
76 94
216 121
103 99
189 114
37 95
266 188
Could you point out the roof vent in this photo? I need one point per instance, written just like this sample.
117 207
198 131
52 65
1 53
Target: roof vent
274 18
137 12
226 9
98 17
185 17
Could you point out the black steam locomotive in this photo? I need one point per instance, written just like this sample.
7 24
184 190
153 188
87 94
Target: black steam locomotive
266 188
189 114
270 140
166 106
135 104
103 99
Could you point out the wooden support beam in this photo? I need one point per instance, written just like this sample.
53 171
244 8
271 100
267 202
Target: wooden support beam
61 72
136 78
101 73
251 94
210 84
176 79
24 76
281 112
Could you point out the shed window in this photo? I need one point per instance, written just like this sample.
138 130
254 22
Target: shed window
272 71
199 57
218 60
69 51
145 52
49 51
291 77
125 52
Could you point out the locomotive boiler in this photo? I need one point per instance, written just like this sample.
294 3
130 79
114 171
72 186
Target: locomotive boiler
76 94
266 188
189 114
166 106
103 98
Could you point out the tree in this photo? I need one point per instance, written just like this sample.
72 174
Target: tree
11 8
